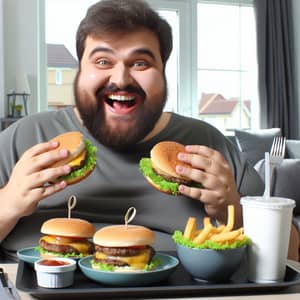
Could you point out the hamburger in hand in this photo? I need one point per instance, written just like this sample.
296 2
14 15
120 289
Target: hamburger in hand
66 237
123 248
160 168
81 158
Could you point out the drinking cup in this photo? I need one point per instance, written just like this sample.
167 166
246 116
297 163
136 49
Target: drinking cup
267 222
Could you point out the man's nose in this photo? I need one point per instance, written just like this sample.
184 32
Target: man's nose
121 76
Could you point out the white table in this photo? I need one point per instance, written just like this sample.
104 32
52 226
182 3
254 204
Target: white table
292 293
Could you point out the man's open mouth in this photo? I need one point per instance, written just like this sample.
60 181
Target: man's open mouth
122 104
117 101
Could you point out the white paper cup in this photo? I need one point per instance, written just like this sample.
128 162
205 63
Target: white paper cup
267 222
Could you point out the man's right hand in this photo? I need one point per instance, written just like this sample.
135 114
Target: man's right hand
29 181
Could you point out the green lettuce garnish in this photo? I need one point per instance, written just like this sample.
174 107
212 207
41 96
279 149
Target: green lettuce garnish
179 239
155 262
164 185
89 164
66 255
102 266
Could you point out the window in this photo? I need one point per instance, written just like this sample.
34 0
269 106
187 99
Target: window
227 68
212 69
58 77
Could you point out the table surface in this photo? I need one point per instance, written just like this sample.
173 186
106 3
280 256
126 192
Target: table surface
292 293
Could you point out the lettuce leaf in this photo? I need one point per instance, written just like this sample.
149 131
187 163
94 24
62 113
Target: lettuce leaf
146 168
154 263
66 255
179 239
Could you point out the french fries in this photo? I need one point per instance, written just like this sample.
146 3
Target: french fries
190 228
220 234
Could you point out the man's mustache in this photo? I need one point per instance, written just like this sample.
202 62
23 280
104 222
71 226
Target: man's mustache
112 88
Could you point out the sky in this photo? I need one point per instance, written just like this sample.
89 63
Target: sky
62 20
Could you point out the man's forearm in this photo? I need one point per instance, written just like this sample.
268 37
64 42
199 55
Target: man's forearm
7 219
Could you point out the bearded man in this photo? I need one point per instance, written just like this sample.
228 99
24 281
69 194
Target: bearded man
120 91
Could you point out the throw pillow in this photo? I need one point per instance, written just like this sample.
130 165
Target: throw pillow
254 144
293 148
285 180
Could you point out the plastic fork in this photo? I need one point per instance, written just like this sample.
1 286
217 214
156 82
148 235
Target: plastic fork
272 160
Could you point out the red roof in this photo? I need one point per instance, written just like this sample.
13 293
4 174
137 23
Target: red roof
216 104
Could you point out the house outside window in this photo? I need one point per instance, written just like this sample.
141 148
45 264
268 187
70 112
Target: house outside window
61 72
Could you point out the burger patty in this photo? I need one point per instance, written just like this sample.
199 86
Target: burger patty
60 248
123 251
174 179
111 261
82 163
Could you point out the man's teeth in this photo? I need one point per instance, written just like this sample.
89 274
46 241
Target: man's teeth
120 98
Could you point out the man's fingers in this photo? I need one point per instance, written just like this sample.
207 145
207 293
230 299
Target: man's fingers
39 148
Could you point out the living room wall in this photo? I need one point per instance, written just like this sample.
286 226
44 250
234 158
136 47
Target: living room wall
21 47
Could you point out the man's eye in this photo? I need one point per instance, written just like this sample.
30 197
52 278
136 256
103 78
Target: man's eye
102 62
140 64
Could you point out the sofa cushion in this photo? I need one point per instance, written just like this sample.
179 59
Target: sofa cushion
254 144
285 180
293 148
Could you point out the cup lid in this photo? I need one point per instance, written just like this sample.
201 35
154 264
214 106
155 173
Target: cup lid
272 202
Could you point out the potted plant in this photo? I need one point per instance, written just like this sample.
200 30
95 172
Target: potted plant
17 110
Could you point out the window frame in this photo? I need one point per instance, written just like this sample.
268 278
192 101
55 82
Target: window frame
187 52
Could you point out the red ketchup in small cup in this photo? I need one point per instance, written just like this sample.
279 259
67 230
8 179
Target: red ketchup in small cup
53 262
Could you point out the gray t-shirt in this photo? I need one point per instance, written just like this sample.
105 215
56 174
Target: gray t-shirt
116 183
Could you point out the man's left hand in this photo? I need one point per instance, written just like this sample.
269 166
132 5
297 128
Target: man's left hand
209 168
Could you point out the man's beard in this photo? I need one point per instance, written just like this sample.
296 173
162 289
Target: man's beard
120 137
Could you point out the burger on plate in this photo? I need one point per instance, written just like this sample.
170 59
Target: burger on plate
123 248
66 237
81 158
160 168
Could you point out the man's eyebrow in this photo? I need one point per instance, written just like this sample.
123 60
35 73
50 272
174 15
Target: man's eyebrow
144 51
100 49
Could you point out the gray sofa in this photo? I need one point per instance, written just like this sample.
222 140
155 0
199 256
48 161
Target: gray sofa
286 177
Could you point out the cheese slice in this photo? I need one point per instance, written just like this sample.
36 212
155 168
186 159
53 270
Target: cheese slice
82 246
136 262
78 160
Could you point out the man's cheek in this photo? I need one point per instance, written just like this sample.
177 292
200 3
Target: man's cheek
88 82
153 82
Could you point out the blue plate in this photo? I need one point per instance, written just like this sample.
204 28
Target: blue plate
167 265
29 255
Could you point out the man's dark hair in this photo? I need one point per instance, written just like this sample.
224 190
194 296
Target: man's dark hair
109 16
